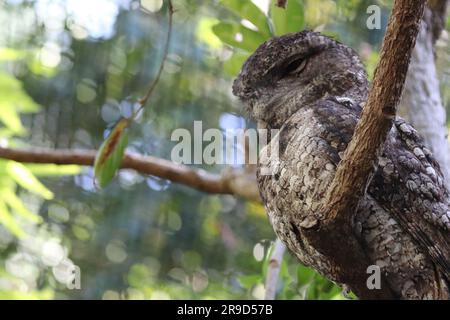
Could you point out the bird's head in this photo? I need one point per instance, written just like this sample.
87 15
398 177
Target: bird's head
293 70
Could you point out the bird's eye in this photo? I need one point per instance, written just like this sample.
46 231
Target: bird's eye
295 66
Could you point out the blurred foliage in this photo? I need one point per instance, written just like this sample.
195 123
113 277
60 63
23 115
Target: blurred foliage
68 73
17 181
338 19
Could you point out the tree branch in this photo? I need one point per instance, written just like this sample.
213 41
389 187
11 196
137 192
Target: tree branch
370 134
334 236
273 269
236 182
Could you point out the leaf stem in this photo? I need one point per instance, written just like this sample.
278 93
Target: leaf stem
153 84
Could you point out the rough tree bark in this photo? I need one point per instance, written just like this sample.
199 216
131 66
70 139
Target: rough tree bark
421 104
333 235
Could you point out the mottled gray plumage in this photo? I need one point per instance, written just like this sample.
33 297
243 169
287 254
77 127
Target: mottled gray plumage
312 88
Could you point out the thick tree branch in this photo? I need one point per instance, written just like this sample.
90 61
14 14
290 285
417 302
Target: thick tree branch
370 134
334 236
234 182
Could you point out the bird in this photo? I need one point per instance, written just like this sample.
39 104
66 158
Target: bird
311 89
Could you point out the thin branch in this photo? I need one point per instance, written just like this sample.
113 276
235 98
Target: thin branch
273 269
153 84
234 182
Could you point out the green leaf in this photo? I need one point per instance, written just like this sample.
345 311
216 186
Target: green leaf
228 32
16 204
9 54
23 176
205 34
291 19
17 294
7 220
110 155
249 281
13 100
11 119
337 296
304 275
35 65
14 94
233 65
53 169
284 270
249 11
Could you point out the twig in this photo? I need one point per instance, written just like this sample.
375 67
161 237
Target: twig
234 182
273 269
153 84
